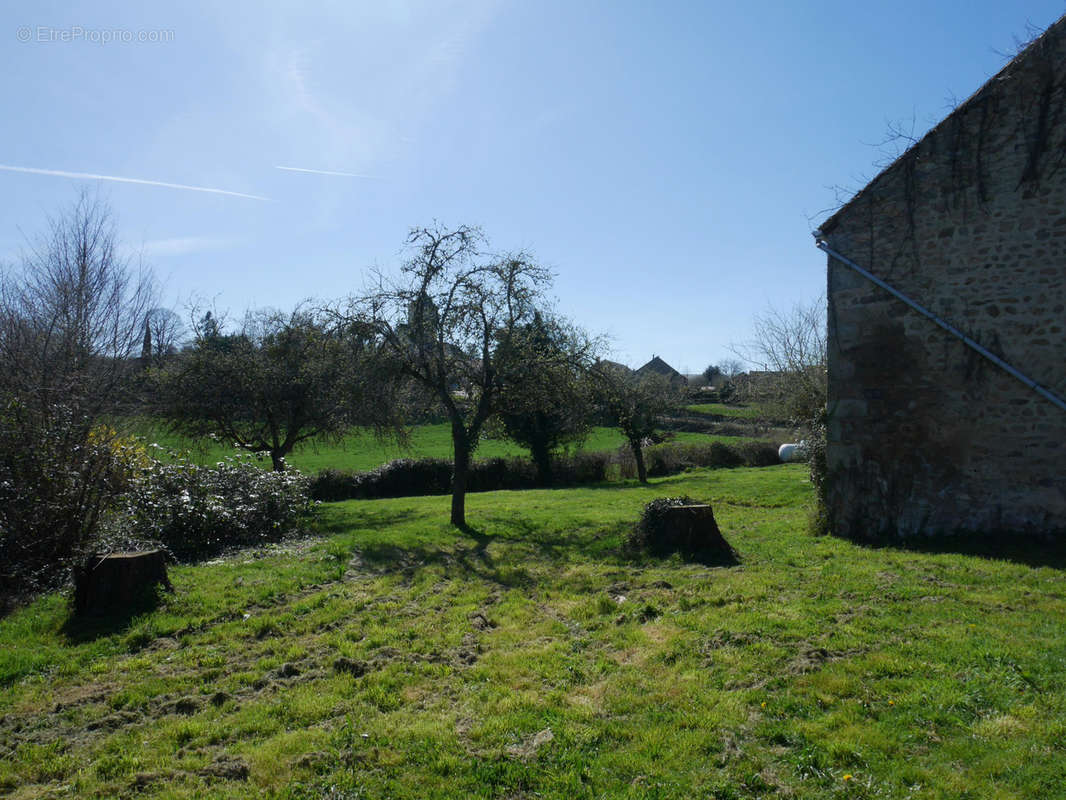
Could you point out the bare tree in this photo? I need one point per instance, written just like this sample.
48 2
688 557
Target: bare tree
788 350
731 367
164 334
443 324
71 319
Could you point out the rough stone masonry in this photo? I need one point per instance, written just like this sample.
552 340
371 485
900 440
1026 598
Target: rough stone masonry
926 436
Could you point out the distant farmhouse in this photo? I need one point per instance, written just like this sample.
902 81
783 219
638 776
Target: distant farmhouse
613 365
947 320
659 367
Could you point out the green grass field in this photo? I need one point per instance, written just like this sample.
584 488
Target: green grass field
393 656
730 411
364 452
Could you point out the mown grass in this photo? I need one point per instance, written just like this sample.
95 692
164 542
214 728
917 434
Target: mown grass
730 411
362 451
527 657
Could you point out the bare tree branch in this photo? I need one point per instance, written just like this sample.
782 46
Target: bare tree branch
441 324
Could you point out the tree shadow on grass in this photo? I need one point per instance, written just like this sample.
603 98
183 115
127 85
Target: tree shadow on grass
712 558
1027 549
460 561
599 543
335 522
552 547
654 481
478 560
482 540
720 556
88 626
470 555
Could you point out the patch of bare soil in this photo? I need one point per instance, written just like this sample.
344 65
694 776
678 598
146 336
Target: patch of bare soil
481 622
75 696
112 722
226 767
850 614
722 639
315 760
467 653
470 648
527 749
810 659
351 666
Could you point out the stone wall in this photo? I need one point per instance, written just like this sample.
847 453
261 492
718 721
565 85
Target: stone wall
925 435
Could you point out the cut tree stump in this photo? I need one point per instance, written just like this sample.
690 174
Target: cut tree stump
115 581
693 529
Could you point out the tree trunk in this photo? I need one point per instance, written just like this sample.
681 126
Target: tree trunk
118 581
542 458
638 456
461 466
277 459
691 530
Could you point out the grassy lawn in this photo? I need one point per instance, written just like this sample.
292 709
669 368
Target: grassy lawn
738 411
364 452
394 656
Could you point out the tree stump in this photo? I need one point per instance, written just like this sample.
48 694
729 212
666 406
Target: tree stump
118 580
693 529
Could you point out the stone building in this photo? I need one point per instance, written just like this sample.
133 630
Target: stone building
659 367
947 321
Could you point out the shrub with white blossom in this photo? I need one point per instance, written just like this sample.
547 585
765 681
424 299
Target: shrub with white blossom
196 511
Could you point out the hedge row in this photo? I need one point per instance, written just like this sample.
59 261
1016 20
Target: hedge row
412 477
429 476
674 457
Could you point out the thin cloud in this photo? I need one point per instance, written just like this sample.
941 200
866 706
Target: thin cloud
326 172
92 177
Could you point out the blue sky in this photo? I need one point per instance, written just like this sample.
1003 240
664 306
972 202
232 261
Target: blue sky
663 158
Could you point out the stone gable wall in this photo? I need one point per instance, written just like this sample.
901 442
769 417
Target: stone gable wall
926 436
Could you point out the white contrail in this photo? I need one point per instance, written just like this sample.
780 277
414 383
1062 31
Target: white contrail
325 172
90 176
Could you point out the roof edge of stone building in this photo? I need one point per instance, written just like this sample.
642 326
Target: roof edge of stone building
993 84
659 367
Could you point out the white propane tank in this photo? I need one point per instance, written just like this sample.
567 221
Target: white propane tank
794 451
